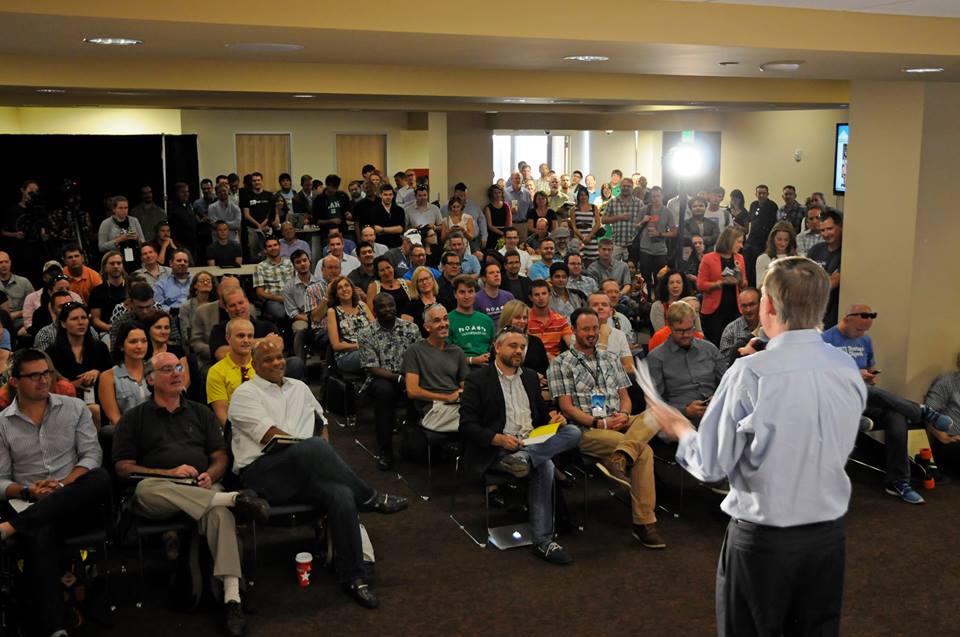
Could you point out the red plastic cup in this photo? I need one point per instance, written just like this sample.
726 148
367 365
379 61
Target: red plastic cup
926 453
304 566
929 483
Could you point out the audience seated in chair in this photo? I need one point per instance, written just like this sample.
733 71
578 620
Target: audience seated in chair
737 333
269 279
889 412
295 301
944 397
611 339
550 326
347 315
590 387
123 386
206 316
470 330
383 345
686 370
233 369
61 475
237 306
501 404
662 335
172 437
309 471
434 373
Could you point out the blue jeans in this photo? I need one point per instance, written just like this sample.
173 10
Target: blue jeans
349 363
540 489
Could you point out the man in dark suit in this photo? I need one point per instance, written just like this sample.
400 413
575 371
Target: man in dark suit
500 406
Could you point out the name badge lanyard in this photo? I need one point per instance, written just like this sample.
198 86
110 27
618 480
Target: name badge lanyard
596 375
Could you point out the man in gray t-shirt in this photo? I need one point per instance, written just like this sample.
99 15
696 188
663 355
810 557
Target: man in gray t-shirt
434 370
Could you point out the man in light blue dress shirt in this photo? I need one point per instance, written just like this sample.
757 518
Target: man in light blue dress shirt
780 427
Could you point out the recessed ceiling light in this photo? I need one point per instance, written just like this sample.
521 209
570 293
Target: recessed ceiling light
930 69
303 96
264 47
785 66
729 63
51 90
586 58
515 100
113 41
126 93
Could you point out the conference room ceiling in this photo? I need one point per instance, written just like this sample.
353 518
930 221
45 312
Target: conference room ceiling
370 58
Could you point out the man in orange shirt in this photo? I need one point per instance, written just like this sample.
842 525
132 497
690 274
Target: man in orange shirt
82 278
543 322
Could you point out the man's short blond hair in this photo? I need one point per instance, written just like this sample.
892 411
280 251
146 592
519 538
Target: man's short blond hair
680 311
799 290
233 324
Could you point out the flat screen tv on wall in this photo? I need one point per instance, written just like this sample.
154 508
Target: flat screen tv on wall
840 160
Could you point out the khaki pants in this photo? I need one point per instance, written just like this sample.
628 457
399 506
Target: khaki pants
633 442
158 499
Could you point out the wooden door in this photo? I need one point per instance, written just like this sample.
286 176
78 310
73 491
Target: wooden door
266 153
355 151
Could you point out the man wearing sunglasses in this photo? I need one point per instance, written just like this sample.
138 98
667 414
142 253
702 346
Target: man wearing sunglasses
51 458
888 412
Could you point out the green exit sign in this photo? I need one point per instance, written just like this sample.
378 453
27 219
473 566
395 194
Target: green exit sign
686 137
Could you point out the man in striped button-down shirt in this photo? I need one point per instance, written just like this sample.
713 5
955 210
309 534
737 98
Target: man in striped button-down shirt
50 474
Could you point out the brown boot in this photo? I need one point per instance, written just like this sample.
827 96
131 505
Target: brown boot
614 467
647 535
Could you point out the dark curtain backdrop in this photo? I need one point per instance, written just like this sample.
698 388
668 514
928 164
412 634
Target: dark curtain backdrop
103 166
710 143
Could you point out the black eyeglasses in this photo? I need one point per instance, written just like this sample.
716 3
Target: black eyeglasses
61 277
169 369
35 376
864 315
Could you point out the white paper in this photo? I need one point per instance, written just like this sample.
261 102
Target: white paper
19 505
128 254
642 374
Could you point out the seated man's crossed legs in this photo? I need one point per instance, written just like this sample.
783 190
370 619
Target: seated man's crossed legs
626 458
312 472
536 461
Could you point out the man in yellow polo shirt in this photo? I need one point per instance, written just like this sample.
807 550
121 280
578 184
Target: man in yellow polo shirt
233 369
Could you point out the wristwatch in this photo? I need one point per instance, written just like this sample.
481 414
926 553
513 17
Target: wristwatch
25 492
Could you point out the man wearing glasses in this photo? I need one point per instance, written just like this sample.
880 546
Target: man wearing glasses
449 271
885 411
49 457
170 438
686 370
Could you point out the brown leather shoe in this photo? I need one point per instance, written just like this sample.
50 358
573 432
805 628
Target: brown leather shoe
647 535
614 467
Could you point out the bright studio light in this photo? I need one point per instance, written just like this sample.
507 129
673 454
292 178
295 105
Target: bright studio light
686 161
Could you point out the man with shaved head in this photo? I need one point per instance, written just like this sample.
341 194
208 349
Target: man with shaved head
172 437
309 471
233 369
885 410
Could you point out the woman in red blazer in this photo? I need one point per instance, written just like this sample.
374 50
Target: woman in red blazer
722 273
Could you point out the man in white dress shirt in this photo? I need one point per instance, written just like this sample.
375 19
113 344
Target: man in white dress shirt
310 471
780 427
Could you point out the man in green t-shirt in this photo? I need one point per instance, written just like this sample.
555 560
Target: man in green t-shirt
471 331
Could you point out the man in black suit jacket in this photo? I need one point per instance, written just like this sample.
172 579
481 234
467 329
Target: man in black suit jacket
500 405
